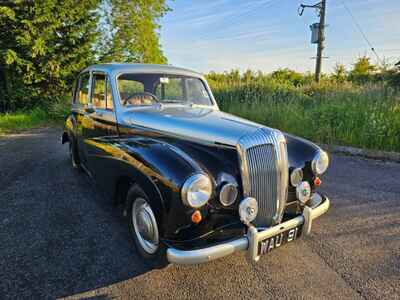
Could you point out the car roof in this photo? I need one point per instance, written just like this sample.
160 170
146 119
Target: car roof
117 68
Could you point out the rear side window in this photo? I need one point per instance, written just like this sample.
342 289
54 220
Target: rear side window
99 91
83 93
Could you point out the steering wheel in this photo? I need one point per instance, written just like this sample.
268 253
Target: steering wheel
141 96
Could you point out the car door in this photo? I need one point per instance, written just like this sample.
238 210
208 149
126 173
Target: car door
79 112
100 121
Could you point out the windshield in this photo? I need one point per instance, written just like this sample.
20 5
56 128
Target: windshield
147 89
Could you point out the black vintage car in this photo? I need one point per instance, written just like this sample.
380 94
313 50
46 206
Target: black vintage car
196 184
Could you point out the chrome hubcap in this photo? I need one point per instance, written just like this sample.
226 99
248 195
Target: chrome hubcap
145 225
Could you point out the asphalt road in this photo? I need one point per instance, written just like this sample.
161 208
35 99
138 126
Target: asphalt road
59 237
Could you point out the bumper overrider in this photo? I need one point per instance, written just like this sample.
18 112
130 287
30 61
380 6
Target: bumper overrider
250 241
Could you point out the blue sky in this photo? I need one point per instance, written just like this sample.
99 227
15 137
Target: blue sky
267 35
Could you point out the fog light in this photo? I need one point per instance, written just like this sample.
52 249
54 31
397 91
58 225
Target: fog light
228 194
303 192
248 210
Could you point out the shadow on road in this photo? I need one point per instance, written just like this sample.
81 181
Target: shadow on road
59 236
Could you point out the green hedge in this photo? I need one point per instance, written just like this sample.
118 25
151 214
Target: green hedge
366 116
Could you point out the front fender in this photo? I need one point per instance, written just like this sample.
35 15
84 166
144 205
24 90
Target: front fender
300 151
158 167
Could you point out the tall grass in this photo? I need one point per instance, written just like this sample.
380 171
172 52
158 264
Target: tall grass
366 116
19 121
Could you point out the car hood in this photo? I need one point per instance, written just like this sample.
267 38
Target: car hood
192 123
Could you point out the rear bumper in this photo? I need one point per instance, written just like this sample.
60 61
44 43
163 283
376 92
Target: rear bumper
251 240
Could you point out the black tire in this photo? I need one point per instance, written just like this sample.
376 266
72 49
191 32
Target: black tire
73 154
158 258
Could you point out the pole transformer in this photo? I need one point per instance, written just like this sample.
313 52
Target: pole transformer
321 9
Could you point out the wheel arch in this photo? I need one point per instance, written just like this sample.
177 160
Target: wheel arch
69 129
65 138
125 183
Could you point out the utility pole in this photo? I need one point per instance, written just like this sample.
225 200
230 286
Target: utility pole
321 9
321 40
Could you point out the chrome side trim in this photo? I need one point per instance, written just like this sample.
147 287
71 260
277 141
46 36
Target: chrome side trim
248 242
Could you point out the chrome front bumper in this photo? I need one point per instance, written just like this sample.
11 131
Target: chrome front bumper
250 241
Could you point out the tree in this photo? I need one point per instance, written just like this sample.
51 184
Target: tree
362 67
287 75
43 45
7 15
339 72
130 31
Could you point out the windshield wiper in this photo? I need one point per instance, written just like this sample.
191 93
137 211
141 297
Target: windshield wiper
173 101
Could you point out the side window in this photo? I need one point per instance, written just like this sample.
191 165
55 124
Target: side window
110 104
83 95
99 91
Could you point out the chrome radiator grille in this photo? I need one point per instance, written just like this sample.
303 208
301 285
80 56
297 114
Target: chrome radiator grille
264 169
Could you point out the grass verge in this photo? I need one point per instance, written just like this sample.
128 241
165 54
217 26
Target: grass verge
20 121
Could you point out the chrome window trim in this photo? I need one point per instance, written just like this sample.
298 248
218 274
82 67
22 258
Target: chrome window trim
202 79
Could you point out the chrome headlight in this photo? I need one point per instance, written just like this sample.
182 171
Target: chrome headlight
320 163
196 190
296 177
228 194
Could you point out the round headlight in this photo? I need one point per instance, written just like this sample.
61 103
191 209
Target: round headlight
248 210
196 190
296 177
320 163
228 194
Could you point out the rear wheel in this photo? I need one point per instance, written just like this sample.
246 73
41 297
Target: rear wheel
144 228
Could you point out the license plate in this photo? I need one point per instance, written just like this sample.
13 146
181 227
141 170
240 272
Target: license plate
278 240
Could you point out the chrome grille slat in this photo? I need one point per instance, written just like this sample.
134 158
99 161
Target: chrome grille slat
264 170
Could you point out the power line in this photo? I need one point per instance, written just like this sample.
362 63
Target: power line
234 18
249 11
361 30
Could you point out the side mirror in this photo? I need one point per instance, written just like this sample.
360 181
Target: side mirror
89 108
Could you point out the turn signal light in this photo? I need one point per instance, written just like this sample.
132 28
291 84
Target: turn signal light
196 217
317 181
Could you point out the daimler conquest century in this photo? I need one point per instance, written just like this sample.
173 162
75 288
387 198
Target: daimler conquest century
196 184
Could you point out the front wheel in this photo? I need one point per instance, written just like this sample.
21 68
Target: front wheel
144 228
